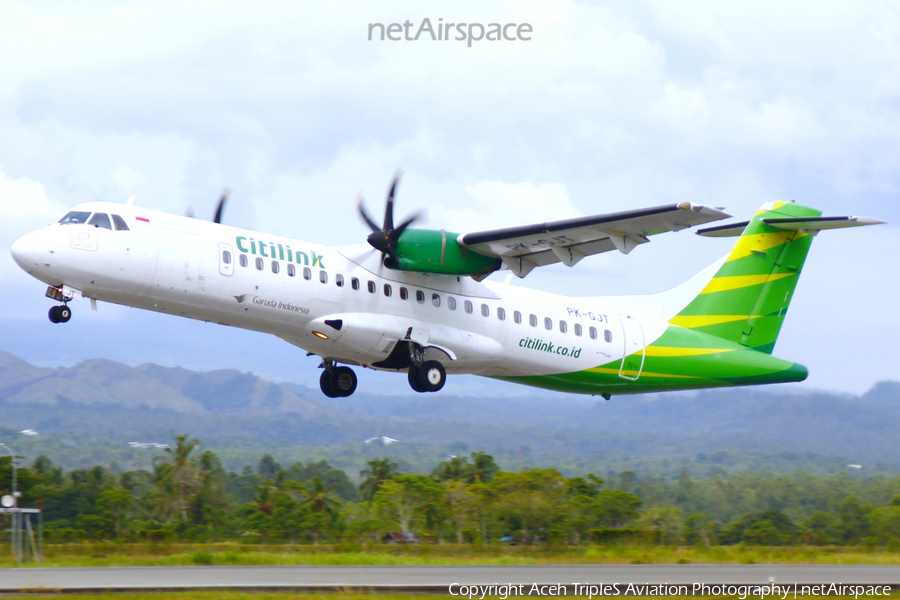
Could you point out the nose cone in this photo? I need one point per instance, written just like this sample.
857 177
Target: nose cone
26 251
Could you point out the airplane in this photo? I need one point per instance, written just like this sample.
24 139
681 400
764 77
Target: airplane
416 301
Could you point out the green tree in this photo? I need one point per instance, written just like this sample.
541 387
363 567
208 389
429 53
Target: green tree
852 523
884 524
666 523
461 505
379 471
482 469
820 528
410 497
616 508
115 503
176 475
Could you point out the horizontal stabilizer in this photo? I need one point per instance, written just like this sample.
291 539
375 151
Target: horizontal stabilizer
819 223
729 230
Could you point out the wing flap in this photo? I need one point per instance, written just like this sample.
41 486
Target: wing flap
568 241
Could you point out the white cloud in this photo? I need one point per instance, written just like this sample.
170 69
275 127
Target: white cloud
607 108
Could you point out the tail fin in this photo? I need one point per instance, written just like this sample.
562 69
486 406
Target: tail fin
748 297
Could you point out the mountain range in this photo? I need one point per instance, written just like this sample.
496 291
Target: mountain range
91 410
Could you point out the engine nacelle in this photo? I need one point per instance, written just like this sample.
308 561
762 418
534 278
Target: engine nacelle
437 251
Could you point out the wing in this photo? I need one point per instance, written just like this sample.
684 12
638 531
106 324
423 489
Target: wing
524 248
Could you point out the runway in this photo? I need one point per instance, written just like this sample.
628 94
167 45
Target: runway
434 579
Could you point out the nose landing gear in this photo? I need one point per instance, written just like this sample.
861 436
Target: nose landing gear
60 314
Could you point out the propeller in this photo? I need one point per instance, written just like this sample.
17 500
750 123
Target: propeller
221 206
189 213
384 238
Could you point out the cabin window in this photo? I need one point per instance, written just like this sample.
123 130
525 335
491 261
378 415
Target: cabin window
339 280
292 270
517 317
354 283
607 335
226 257
259 264
451 302
119 222
371 286
563 327
593 333
404 293
501 313
243 260
387 290
532 320
578 329
307 273
100 220
74 217
323 276
436 300
420 296
485 310
548 323
275 266
468 307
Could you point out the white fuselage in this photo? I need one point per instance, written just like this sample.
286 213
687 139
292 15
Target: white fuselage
290 288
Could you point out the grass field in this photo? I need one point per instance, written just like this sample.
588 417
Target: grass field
103 554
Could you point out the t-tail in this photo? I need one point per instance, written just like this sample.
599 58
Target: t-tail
747 299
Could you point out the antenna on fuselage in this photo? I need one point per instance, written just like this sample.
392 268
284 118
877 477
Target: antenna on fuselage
130 201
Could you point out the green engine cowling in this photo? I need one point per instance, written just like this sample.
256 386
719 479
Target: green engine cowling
431 251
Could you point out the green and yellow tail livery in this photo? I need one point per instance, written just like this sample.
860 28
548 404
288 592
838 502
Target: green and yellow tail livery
725 335
748 298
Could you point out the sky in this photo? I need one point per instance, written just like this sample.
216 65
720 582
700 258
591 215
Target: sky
609 106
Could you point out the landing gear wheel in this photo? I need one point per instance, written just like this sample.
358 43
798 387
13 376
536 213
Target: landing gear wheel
325 385
343 381
432 376
64 313
413 377
60 314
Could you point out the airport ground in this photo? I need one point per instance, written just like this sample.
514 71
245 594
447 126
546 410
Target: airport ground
110 554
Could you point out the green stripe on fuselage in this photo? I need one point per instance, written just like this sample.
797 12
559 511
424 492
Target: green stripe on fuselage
732 365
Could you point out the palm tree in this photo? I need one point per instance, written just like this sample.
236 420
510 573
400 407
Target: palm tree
483 467
455 468
379 471
319 498
176 475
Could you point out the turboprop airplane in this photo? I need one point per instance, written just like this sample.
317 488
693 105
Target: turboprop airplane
415 300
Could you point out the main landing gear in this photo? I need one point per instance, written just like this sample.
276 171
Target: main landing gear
337 382
60 314
430 376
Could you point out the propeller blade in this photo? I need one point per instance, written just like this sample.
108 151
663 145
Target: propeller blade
412 219
221 207
365 215
389 205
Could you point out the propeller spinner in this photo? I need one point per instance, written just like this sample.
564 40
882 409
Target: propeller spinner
384 238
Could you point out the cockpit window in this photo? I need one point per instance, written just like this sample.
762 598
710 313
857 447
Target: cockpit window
100 220
75 217
119 223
